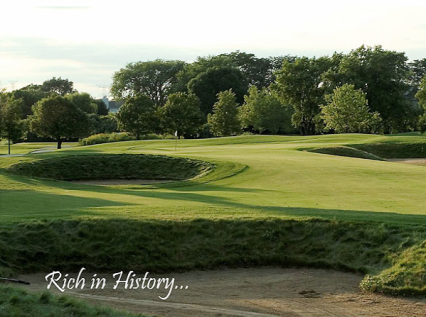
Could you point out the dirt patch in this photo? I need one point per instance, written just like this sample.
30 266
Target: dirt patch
107 182
415 161
260 292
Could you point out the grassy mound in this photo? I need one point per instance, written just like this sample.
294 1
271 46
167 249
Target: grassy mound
346 151
406 277
15 302
112 166
390 150
165 246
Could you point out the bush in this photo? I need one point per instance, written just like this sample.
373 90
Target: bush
106 138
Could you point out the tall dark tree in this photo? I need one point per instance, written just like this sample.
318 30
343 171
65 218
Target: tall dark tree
300 85
153 78
29 95
207 85
58 118
200 66
101 107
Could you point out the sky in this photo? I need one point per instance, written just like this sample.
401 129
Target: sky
87 41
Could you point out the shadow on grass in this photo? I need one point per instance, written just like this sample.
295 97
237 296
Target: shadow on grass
20 205
201 193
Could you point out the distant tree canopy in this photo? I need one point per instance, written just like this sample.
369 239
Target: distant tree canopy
207 85
59 86
58 118
153 78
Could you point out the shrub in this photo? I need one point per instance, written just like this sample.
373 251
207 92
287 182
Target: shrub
106 138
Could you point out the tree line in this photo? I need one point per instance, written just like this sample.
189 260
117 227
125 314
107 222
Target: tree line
369 90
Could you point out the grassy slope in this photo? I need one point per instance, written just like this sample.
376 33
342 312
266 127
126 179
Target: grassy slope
280 182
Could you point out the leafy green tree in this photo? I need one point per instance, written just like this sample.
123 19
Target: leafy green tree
383 76
225 121
207 85
10 118
421 96
83 101
58 118
263 112
138 116
59 86
299 84
347 111
153 78
181 114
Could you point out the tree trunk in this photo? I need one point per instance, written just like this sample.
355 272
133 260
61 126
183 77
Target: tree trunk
138 136
59 143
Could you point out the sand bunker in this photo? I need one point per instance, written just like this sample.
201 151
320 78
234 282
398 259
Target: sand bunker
415 161
258 292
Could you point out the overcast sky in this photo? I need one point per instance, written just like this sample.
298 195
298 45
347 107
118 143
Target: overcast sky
87 41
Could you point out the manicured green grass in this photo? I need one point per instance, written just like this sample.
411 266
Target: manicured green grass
265 203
